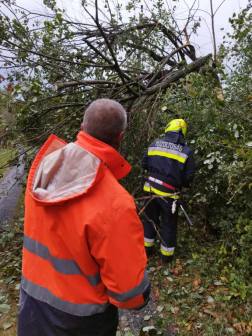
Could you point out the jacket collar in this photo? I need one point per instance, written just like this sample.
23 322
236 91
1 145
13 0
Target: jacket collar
115 162
174 137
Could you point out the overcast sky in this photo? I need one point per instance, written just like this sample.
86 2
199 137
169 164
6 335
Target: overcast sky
203 42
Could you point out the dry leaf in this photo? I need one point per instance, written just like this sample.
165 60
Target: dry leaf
224 279
229 316
207 311
241 312
156 294
170 328
196 283
10 87
244 324
238 327
158 268
249 329
218 320
180 267
190 326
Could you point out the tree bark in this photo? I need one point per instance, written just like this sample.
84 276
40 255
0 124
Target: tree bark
171 78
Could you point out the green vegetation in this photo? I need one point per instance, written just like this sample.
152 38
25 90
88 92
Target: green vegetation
11 241
5 156
194 297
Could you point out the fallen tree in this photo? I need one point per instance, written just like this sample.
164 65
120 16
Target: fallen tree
57 64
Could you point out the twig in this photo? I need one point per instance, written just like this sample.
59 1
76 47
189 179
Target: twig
214 39
163 64
155 228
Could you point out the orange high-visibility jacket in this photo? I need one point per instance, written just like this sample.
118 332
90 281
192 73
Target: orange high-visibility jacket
83 241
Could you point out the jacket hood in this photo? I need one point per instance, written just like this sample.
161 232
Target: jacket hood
174 137
115 162
64 171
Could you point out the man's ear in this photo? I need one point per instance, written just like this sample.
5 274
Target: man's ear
119 141
81 127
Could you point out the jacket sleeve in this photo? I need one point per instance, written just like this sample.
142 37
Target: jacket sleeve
119 250
144 162
189 171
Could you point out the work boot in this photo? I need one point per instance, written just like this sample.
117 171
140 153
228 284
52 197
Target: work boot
167 265
149 253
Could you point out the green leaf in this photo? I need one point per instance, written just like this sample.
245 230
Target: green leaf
170 290
7 325
4 308
210 299
2 298
196 296
168 307
194 255
169 320
8 280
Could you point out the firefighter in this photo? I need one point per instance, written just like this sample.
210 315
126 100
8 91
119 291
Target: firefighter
170 166
83 250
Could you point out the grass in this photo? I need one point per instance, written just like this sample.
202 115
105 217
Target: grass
5 156
195 296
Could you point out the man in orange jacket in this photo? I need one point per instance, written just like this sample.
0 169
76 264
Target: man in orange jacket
83 253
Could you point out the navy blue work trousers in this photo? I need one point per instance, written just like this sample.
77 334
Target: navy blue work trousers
37 318
157 208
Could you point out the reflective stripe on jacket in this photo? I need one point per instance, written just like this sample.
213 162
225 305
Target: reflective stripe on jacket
83 241
171 162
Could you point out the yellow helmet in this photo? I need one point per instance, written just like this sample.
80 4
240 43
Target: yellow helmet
176 125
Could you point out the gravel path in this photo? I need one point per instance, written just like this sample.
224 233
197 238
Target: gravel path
132 320
9 192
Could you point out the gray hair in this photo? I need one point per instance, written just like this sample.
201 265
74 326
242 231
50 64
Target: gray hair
104 120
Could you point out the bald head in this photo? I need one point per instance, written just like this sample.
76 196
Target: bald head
105 120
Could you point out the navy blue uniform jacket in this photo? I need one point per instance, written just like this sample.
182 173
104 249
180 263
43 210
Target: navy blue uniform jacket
178 171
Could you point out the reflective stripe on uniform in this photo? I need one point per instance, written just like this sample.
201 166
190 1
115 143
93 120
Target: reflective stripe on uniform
172 154
148 242
167 251
43 294
63 266
132 293
147 187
